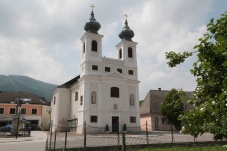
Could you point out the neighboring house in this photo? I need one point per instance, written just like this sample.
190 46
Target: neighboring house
105 92
33 109
150 111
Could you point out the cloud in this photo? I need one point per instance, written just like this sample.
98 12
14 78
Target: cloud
41 39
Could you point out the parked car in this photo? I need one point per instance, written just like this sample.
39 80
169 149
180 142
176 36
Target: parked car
6 128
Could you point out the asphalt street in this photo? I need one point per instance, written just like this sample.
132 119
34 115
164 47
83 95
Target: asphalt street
37 140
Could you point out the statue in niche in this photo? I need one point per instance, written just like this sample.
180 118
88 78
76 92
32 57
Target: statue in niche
93 97
131 99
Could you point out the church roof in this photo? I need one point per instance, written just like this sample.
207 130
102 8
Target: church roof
126 33
92 25
70 82
152 101
26 97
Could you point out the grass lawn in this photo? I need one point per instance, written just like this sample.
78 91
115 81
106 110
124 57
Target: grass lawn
186 148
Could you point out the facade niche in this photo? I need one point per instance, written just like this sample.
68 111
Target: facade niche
93 97
131 99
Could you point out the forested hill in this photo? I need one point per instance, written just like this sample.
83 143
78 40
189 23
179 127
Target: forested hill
26 84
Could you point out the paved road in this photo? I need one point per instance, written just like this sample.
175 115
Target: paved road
38 139
36 142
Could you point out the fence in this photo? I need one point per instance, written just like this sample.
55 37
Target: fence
98 138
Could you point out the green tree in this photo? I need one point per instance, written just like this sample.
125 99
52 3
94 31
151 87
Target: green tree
172 107
210 96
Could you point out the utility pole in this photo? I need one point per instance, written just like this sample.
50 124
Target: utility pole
19 103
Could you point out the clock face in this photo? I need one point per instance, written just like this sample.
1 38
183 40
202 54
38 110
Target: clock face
115 106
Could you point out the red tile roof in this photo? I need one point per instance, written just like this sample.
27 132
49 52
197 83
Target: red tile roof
10 97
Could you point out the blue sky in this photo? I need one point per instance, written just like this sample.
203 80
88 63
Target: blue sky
41 39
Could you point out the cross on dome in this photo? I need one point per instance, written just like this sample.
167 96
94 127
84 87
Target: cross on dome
126 16
92 6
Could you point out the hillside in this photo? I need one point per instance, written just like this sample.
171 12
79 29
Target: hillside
26 84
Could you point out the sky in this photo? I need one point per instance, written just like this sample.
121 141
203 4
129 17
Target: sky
41 38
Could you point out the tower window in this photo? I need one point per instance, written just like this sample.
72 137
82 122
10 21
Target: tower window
94 119
130 72
107 69
119 70
114 92
120 54
94 67
130 52
94 46
84 47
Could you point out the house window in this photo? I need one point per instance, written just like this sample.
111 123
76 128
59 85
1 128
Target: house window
84 47
132 119
119 70
54 99
94 67
165 121
130 52
94 119
34 111
23 111
1 110
76 96
120 54
107 69
81 100
114 92
94 46
130 72
12 111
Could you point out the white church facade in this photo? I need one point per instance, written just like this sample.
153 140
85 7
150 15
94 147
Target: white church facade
107 90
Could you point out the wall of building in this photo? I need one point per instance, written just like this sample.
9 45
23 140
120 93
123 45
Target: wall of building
45 118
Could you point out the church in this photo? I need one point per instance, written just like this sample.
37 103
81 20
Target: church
106 92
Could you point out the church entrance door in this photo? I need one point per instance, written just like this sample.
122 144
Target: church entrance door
115 124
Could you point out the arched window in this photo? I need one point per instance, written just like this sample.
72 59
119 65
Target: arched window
130 52
114 92
84 47
93 97
131 99
94 46
120 54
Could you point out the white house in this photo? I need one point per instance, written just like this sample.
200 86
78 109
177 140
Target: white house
105 92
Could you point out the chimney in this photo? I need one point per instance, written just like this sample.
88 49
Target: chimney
159 89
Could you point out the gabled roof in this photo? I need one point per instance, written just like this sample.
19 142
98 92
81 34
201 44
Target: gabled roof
152 101
70 82
27 97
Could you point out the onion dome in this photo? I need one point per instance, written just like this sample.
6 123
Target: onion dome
92 25
126 32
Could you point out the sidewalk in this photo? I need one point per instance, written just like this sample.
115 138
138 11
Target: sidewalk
40 136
